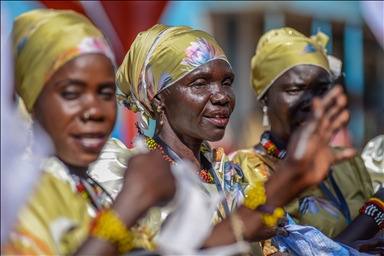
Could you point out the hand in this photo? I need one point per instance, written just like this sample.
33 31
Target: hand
151 176
266 233
372 246
309 153
148 181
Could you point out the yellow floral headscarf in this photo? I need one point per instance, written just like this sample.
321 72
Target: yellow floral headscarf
281 49
158 58
44 40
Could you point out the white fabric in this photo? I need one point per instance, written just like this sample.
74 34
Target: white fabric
19 169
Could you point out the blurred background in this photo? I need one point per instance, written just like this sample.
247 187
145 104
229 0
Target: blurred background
355 28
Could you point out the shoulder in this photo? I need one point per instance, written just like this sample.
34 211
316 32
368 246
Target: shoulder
108 170
356 163
247 157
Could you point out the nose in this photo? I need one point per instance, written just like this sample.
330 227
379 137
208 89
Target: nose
219 95
306 100
92 109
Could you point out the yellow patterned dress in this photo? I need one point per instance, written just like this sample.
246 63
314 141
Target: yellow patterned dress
312 207
56 218
109 171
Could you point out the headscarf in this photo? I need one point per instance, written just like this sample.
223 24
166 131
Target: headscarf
44 40
281 49
157 59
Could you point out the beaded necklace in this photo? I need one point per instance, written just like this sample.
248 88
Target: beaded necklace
271 147
152 145
91 191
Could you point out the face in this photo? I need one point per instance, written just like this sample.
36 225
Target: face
85 84
289 99
200 104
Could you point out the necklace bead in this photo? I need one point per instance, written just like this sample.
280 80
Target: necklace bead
152 145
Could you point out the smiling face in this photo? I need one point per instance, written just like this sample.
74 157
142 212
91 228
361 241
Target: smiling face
86 84
198 106
289 99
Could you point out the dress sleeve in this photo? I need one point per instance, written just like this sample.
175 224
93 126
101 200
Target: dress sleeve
252 166
54 221
364 177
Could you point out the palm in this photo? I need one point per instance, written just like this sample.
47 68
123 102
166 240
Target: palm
310 153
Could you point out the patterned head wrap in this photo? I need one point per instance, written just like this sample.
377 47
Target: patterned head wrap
44 40
281 49
158 58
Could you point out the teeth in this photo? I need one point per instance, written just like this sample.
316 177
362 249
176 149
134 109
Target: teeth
90 141
303 123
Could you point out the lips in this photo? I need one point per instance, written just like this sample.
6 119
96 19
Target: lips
219 118
90 141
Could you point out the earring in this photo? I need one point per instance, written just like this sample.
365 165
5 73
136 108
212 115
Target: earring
86 115
265 117
159 110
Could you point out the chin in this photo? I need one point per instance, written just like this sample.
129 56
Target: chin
215 137
81 160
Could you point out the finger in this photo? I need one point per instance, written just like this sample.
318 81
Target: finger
341 120
282 232
343 154
335 109
331 96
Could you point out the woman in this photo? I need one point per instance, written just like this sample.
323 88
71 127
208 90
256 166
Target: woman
288 71
66 78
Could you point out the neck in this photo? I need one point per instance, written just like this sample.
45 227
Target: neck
184 147
79 171
280 143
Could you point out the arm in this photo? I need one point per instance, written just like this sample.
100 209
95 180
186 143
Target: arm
363 227
306 166
148 181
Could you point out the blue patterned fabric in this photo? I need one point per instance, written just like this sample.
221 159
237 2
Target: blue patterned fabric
308 241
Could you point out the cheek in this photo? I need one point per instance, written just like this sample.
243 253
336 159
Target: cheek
232 99
111 110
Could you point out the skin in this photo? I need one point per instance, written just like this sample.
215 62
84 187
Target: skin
87 83
289 104
189 106
289 99
84 84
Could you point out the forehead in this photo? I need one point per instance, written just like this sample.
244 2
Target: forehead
304 74
213 68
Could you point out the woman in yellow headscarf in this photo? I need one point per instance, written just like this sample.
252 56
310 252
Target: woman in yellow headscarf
288 71
65 74
181 78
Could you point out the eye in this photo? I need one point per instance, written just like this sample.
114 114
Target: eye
200 83
108 92
293 91
323 89
70 94
228 82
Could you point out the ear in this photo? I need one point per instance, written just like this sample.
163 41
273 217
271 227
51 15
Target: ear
264 101
156 101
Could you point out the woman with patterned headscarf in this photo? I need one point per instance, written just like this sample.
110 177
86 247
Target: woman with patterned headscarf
65 74
288 71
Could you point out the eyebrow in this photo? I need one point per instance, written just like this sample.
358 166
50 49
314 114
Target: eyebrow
70 81
83 84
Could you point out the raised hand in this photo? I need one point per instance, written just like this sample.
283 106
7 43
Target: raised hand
309 151
148 182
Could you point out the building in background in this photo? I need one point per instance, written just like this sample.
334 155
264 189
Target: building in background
356 37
